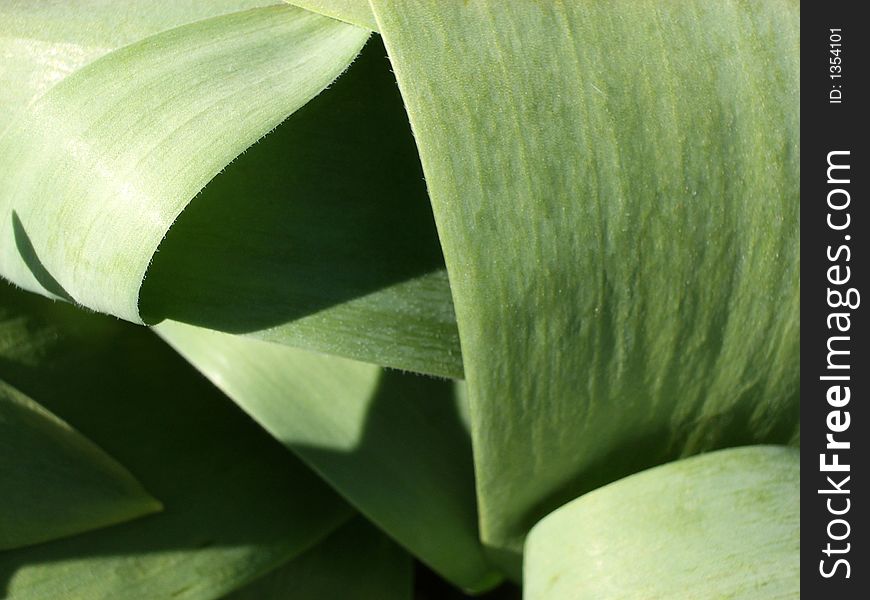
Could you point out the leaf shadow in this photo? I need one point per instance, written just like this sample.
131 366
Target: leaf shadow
224 482
420 418
31 259
327 209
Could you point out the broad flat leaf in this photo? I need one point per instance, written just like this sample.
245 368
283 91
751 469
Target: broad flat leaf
54 482
122 145
392 444
43 42
357 562
317 237
320 236
719 525
357 12
616 190
236 503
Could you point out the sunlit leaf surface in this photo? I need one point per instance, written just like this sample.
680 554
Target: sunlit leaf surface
357 12
720 525
598 199
620 227
124 144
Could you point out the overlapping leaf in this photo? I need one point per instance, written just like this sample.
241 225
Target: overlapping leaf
345 419
720 525
278 247
320 236
43 42
616 191
357 12
236 504
122 155
620 228
53 481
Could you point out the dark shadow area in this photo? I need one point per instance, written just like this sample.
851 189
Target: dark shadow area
419 417
370 565
223 480
429 586
31 259
329 207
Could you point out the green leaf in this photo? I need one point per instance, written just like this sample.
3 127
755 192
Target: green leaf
236 503
616 188
277 246
356 12
44 42
122 145
356 562
719 525
53 481
392 444
320 236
